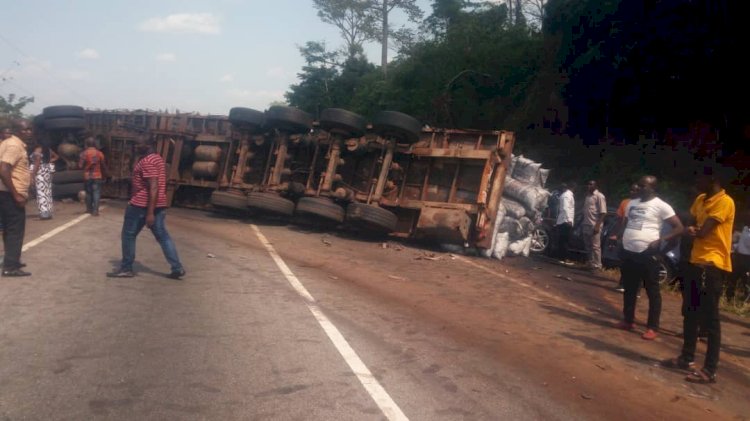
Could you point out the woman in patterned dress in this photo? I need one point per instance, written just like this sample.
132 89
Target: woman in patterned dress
43 165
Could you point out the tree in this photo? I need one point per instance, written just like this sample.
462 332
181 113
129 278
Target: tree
11 106
315 91
353 18
380 11
535 9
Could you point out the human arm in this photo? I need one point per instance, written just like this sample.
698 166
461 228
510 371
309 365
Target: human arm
53 157
5 176
709 225
601 207
674 234
153 190
37 162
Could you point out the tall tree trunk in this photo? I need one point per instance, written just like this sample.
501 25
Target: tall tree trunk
384 41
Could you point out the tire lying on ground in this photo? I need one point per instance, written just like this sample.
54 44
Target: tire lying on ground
67 190
270 203
398 126
290 119
67 177
246 118
373 219
347 123
230 200
65 123
63 111
319 209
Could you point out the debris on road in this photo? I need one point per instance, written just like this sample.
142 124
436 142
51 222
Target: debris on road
325 241
335 278
587 397
397 278
211 255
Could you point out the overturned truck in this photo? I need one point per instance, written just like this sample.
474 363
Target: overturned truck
386 175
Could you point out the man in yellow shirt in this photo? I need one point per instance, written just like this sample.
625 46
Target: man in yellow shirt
711 262
14 190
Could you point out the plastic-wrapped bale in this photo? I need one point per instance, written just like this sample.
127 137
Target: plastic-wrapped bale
527 226
520 247
513 208
530 196
500 247
512 227
499 216
526 170
543 176
512 164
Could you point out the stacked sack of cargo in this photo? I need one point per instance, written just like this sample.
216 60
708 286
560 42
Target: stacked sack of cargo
524 201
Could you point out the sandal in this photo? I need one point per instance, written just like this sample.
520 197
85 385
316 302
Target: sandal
701 376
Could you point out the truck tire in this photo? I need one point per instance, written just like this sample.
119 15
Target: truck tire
270 203
320 208
67 177
67 190
64 123
344 122
289 119
246 118
371 218
231 200
399 126
63 111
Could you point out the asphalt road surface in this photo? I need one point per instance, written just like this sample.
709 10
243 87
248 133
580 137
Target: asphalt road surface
277 322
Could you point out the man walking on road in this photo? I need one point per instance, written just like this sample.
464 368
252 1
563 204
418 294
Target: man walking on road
711 263
15 179
94 171
147 207
594 211
641 243
564 223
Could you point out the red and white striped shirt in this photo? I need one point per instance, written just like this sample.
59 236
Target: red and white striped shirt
150 166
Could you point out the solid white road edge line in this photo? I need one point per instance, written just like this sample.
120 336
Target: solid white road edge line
370 383
55 231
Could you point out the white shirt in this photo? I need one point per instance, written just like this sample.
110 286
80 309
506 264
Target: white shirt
645 221
743 243
565 208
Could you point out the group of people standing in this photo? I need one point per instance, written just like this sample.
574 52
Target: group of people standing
641 236
19 171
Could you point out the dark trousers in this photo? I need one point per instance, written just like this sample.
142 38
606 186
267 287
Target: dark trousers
14 227
135 220
700 305
641 269
93 194
563 238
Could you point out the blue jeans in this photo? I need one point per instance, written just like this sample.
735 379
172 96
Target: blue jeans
135 220
93 194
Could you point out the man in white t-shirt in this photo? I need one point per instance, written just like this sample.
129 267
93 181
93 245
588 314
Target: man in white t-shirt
641 243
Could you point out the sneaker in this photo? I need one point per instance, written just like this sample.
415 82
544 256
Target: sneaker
678 363
620 288
176 274
625 326
650 335
121 274
15 272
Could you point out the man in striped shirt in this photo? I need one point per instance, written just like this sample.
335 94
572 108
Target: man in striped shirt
147 207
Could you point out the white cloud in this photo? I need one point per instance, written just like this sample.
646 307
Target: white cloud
198 23
166 57
227 78
88 53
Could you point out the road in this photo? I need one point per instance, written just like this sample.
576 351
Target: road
386 332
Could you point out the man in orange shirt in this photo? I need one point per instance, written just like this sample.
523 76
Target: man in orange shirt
710 263
94 171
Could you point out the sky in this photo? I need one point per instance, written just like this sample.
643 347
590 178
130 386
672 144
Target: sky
187 55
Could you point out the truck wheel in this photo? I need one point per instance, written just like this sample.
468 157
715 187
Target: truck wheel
67 177
246 118
270 203
319 209
288 119
63 111
344 122
67 190
401 127
64 123
371 218
231 200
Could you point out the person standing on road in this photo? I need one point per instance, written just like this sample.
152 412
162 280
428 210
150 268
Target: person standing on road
633 194
594 211
15 179
711 262
564 222
147 207
641 244
94 171
740 258
42 166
